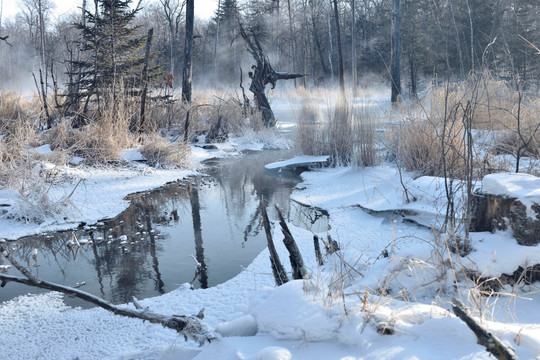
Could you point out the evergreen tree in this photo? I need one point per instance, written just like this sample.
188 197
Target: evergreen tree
113 51
226 51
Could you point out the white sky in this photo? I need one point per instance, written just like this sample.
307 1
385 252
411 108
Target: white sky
204 9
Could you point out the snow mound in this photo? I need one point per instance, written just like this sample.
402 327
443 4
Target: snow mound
244 326
274 353
299 318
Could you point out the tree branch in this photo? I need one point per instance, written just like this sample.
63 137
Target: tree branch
485 338
4 38
191 327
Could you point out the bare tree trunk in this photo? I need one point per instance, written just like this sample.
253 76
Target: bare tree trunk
353 46
216 40
188 54
297 262
396 53
43 98
458 41
472 35
142 118
43 64
292 40
340 52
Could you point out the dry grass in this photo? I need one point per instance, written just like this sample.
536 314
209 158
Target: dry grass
491 106
418 144
344 131
11 106
160 152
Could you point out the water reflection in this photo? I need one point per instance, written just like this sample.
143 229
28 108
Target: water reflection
204 231
197 231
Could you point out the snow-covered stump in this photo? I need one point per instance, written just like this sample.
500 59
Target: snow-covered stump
509 199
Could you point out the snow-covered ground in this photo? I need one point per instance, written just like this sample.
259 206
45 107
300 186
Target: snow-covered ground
389 274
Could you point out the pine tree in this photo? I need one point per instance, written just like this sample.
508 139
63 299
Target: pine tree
226 51
113 56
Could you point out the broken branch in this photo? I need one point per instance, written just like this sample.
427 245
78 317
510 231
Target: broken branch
485 338
189 326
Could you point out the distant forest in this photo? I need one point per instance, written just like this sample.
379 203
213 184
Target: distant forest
439 40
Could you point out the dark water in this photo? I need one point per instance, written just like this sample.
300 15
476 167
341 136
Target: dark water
156 244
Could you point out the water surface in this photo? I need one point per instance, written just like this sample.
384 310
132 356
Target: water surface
201 231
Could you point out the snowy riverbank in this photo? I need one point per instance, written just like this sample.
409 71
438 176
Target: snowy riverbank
335 314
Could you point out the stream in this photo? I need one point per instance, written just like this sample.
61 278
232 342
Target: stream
202 230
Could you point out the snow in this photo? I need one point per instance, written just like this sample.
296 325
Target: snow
524 187
132 154
43 149
388 273
298 161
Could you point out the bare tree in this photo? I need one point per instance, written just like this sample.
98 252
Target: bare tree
396 52
353 47
188 54
172 10
340 52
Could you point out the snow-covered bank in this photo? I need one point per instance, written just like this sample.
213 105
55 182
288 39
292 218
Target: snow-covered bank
81 194
91 194
388 273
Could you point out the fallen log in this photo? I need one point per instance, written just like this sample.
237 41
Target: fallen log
191 327
280 275
485 338
297 262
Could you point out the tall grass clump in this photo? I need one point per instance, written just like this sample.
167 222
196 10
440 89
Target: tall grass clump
434 139
343 130
162 153
106 133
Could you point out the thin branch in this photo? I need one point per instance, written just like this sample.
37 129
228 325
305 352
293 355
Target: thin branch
4 38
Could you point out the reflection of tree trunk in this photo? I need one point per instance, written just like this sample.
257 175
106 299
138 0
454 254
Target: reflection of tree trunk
98 265
159 282
197 230
253 224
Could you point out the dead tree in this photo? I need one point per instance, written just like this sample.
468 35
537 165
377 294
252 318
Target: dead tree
189 326
262 74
